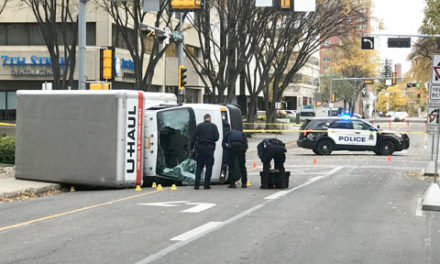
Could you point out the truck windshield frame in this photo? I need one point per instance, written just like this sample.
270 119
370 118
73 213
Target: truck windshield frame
176 127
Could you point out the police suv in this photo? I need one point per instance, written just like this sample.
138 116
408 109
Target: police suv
339 133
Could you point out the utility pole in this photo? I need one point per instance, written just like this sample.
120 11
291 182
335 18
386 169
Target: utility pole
82 44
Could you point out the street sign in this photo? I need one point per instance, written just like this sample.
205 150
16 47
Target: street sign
151 5
399 42
435 80
263 3
367 43
434 89
432 129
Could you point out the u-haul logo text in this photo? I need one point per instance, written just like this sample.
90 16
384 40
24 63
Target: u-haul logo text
131 140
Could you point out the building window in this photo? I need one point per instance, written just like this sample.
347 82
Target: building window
8 105
305 100
118 39
325 68
327 43
29 34
362 26
171 51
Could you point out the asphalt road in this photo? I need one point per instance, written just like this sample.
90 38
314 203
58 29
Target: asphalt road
349 207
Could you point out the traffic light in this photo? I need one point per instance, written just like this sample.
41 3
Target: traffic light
333 97
186 5
286 4
182 77
394 80
418 94
106 64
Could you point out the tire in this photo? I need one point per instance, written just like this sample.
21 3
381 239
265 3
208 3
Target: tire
386 147
324 147
376 152
315 151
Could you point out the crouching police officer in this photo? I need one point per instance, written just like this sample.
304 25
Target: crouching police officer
235 146
269 149
205 136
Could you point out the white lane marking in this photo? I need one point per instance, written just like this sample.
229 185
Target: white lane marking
196 231
164 204
183 243
276 195
198 207
355 167
419 211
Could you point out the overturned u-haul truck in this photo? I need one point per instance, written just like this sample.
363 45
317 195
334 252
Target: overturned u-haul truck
112 138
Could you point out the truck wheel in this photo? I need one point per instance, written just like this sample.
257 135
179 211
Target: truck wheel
386 148
324 147
315 151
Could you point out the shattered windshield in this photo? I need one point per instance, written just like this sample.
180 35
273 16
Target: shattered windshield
176 127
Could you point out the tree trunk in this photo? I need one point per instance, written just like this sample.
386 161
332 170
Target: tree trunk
252 109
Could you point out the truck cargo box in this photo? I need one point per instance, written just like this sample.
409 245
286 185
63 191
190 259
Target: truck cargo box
83 137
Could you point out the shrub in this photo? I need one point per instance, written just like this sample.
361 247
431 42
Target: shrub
7 150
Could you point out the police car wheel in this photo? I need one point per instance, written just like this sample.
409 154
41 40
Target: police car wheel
386 147
324 147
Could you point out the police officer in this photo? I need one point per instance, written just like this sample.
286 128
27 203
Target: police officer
235 146
269 149
204 140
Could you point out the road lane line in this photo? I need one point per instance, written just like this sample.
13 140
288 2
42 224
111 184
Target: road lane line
276 195
180 244
199 207
74 211
196 231
419 211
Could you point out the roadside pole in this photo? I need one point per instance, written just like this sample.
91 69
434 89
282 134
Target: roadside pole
82 44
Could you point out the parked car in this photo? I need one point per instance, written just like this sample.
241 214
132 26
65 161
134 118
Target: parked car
399 116
291 113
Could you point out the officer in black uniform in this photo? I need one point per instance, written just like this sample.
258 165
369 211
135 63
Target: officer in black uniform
204 140
269 149
235 145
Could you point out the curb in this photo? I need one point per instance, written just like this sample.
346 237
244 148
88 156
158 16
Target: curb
30 191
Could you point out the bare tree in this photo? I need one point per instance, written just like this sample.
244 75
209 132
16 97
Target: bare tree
128 17
58 27
3 4
228 32
291 39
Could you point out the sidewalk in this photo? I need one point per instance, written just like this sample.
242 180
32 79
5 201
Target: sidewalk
11 188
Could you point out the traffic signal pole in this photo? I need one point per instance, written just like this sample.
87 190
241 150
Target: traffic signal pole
180 92
178 38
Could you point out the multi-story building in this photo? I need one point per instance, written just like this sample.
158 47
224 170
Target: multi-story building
304 86
25 61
